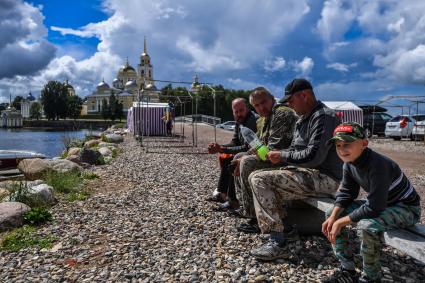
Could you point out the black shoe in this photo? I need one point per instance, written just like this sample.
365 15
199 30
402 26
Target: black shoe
342 275
364 279
251 227
290 233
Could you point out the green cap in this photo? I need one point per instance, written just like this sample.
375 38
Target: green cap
348 132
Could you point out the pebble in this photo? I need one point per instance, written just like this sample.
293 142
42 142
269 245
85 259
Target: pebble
147 221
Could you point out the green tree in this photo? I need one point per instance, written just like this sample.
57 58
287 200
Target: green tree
105 111
112 106
54 97
17 102
75 104
119 111
35 110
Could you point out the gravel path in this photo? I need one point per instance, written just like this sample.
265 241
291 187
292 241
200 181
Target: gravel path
147 221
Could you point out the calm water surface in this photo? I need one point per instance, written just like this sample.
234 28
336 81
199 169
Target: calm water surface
50 143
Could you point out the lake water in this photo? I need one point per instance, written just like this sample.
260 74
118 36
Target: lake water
49 143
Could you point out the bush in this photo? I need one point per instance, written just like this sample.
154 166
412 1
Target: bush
66 182
103 138
100 160
37 216
90 176
114 153
24 237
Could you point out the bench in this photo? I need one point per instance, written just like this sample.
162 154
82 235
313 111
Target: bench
410 241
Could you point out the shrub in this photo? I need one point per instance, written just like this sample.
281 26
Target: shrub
114 153
90 176
37 216
64 182
24 237
100 160
103 138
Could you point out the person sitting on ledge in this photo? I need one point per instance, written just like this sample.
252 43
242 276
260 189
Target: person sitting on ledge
275 130
226 187
309 167
391 203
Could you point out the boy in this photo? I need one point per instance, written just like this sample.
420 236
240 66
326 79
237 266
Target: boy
391 203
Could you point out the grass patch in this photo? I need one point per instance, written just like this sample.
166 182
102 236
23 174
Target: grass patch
114 153
24 237
77 196
66 182
103 138
37 216
90 176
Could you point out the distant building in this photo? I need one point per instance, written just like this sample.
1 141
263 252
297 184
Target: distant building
26 105
11 118
126 85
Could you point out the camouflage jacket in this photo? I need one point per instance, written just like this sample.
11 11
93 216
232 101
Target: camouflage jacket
276 130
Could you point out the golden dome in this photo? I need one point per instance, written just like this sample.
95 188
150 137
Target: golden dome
127 70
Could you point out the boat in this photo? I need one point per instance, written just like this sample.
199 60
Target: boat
9 159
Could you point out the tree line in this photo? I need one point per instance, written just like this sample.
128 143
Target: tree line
205 99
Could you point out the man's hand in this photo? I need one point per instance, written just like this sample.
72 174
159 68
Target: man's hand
236 163
327 225
274 156
214 148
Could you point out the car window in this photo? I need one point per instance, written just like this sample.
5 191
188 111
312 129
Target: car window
385 116
419 117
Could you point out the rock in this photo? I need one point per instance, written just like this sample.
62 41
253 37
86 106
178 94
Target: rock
43 192
74 151
34 169
64 165
74 158
114 138
11 214
106 144
105 151
90 156
3 193
91 143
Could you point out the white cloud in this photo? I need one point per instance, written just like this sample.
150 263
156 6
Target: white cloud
277 64
23 47
303 67
340 66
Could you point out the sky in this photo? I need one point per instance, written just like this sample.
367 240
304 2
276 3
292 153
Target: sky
362 51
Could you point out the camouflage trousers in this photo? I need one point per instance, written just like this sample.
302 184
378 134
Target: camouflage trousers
273 188
369 231
249 163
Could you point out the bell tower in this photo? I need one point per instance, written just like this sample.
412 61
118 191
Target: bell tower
145 72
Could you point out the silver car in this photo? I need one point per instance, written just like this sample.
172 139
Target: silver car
229 125
400 127
418 131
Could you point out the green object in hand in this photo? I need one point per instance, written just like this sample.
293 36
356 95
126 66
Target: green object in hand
262 152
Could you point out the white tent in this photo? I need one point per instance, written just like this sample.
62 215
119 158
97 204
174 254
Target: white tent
346 110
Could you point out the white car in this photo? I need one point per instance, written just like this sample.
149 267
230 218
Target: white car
400 127
229 125
418 131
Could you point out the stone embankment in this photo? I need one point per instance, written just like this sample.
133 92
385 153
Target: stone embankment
148 222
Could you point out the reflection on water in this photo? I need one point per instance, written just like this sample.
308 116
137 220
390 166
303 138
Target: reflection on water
50 143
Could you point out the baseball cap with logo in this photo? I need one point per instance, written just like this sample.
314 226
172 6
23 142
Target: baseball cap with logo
295 86
348 132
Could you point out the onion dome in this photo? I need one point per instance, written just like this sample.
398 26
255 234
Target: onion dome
131 85
102 86
151 87
66 83
30 97
127 70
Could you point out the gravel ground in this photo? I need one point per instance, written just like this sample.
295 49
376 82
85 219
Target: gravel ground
147 221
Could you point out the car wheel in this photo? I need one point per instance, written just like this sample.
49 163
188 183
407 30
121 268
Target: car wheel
368 132
396 138
412 138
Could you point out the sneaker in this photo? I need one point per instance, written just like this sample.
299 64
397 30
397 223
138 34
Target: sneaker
342 275
269 251
291 233
364 279
251 227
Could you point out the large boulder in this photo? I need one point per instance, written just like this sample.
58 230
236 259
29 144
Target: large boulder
105 151
74 151
106 144
91 143
63 166
90 156
114 138
74 158
42 192
34 169
11 214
